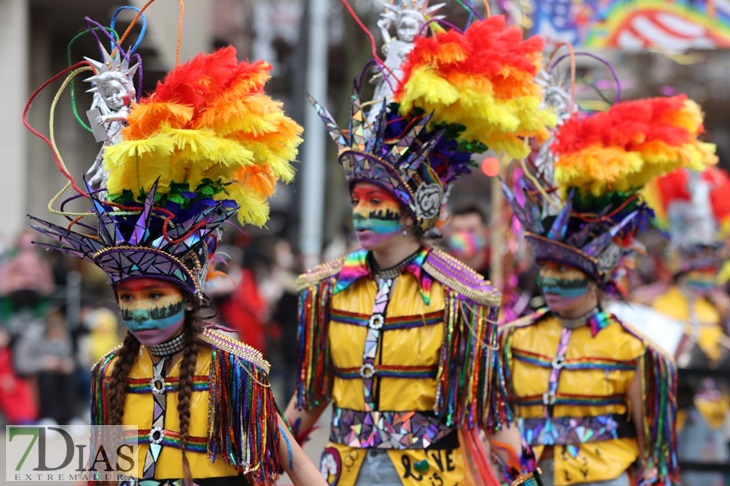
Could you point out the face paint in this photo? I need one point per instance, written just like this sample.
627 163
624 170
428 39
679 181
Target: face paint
153 310
569 289
563 287
375 215
701 282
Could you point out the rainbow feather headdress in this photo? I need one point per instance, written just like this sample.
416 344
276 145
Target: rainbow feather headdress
461 93
601 161
693 208
206 144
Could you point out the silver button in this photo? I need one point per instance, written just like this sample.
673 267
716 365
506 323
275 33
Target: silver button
548 398
558 362
367 370
376 321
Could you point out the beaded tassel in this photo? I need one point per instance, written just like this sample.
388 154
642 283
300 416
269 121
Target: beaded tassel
659 393
98 405
98 391
242 417
468 392
314 383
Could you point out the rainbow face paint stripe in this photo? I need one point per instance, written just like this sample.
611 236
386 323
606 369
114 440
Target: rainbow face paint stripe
700 281
154 318
153 310
375 215
562 287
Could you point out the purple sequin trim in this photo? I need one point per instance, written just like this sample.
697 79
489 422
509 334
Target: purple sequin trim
386 430
574 430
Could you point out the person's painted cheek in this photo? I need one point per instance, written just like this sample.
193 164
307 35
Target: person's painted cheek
562 288
373 223
569 288
154 321
701 282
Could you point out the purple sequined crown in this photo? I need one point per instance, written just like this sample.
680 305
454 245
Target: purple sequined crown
401 155
146 244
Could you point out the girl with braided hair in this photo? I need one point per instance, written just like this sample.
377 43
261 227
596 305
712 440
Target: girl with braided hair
206 144
183 368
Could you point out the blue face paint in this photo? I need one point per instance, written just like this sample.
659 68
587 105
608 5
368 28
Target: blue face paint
155 325
700 285
566 288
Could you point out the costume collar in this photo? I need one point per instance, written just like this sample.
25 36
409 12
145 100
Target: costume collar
597 320
356 267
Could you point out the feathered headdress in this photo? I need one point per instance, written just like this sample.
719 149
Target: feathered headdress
694 208
461 93
601 161
206 144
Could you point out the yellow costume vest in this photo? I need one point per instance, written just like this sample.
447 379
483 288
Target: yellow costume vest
708 331
230 393
674 303
568 389
431 372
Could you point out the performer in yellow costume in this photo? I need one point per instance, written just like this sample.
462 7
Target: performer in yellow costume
591 394
399 337
206 144
694 207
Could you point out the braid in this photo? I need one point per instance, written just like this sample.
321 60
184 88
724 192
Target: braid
185 388
118 383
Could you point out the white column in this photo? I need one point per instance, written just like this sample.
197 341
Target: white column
14 89
313 166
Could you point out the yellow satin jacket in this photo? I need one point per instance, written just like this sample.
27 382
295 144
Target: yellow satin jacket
412 362
221 362
674 303
586 418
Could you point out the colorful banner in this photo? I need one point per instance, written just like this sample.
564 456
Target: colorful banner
663 25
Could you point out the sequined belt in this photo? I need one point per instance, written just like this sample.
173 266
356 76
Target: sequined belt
222 481
575 430
386 430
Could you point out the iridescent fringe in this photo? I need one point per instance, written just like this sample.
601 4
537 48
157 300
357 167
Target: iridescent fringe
659 393
316 374
242 417
98 405
98 391
468 391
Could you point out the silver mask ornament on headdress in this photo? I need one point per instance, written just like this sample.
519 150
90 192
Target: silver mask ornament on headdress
408 16
113 90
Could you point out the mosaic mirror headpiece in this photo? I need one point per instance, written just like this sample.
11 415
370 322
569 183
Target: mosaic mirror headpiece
460 94
578 197
206 144
694 209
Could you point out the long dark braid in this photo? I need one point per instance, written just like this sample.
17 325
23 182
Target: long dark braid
126 356
194 328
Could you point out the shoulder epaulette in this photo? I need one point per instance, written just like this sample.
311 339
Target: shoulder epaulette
524 321
104 361
229 345
319 273
455 275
